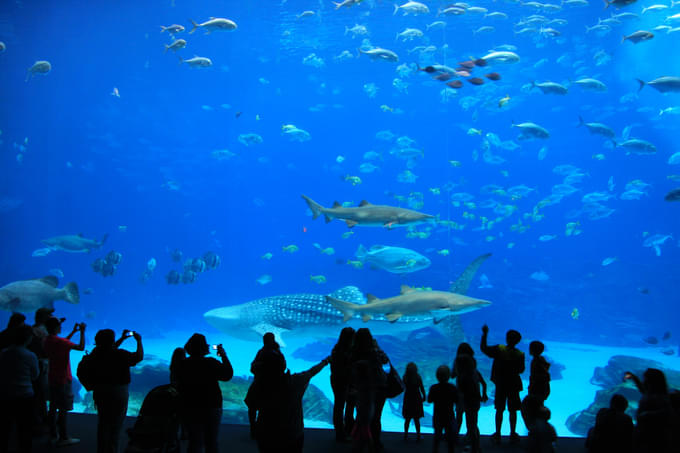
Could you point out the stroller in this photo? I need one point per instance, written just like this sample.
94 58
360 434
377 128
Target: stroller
156 429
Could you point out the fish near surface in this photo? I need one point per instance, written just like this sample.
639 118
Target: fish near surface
367 214
28 295
74 243
665 84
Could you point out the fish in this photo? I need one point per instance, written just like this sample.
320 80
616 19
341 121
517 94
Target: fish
312 315
476 81
292 248
396 260
29 295
318 279
39 67
655 241
151 264
638 36
665 84
174 28
493 76
42 252
531 130
174 46
378 53
651 340
590 84
597 128
411 8
540 276
608 261
197 62
666 335
575 314
503 101
411 302
367 214
74 243
550 88
503 57
638 146
214 24
264 279
673 195
455 84
173 277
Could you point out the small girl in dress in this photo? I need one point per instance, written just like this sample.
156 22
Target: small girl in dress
414 395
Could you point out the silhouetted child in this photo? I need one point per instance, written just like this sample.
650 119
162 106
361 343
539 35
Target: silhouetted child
470 382
508 364
613 430
653 431
465 350
414 395
542 434
58 351
444 395
539 379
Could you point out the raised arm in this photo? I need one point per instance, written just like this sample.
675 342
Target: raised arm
482 345
139 353
81 344
226 370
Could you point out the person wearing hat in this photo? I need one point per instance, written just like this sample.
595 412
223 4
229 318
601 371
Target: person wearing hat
198 379
508 364
58 351
111 386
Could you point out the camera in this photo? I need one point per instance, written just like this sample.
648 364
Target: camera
130 333
214 347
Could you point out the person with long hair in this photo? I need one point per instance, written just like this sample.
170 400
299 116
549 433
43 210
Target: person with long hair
343 416
414 395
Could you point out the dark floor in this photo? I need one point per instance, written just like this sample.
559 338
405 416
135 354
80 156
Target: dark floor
236 439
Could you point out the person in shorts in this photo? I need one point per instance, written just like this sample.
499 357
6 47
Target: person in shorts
508 364
58 351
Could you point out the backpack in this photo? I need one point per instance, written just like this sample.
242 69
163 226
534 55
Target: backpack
86 371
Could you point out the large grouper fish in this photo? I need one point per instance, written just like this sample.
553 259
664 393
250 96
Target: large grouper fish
26 296
368 214
313 315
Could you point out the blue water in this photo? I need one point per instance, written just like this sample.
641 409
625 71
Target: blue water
139 167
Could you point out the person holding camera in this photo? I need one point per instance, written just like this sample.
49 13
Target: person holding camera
111 378
198 379
58 352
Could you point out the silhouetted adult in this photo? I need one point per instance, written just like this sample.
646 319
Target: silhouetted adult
111 381
18 371
58 351
280 419
613 430
444 395
178 355
464 349
654 416
7 335
414 396
267 367
471 393
343 416
366 348
508 364
198 379
40 386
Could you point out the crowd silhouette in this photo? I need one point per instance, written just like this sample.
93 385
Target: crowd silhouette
35 368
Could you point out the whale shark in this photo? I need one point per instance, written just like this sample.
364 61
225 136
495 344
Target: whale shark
368 214
74 243
312 315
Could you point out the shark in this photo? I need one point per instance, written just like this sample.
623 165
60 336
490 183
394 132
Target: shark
368 214
313 315
74 243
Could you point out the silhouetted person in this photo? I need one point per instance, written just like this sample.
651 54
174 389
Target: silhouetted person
267 367
613 430
343 416
464 349
18 371
674 396
280 420
198 379
539 378
41 386
111 382
654 416
444 395
414 395
178 355
58 351
542 434
366 348
471 394
7 335
508 364
363 382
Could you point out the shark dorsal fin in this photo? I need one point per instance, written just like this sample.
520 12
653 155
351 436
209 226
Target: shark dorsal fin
370 298
406 289
50 280
364 203
336 204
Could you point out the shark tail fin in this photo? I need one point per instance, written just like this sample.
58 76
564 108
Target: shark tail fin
360 253
316 208
642 84
71 294
346 308
104 238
